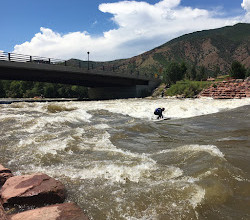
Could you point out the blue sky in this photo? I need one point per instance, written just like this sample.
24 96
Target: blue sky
109 29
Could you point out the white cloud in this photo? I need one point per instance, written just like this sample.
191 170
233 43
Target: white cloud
141 27
246 5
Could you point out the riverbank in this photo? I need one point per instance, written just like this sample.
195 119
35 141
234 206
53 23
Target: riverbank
43 193
223 89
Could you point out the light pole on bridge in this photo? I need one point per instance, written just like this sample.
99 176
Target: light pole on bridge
88 59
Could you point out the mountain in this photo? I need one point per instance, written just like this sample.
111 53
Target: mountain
209 48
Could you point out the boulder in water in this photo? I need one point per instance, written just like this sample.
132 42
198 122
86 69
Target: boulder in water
36 189
64 211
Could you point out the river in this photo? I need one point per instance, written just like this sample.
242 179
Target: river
116 163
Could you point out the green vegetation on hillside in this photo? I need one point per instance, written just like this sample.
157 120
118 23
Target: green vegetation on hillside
236 33
238 70
208 49
187 88
174 72
195 78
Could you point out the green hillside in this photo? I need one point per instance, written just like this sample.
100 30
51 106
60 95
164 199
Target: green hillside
209 48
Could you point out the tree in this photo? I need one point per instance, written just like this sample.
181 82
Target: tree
217 72
193 73
2 92
23 89
201 75
79 91
49 90
237 71
248 72
173 73
183 68
15 90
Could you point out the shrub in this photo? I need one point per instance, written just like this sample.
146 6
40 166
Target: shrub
237 71
187 88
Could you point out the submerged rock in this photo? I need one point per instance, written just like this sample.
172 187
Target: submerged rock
66 211
36 189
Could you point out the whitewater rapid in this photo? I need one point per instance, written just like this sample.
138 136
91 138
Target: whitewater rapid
116 162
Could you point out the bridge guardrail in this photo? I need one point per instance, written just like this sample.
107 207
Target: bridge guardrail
88 65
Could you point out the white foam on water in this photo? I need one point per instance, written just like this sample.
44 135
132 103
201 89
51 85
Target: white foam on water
24 142
57 120
163 174
101 142
26 107
66 113
174 108
239 178
242 138
197 196
208 173
101 126
126 165
176 172
136 108
118 173
74 116
79 132
53 146
114 173
211 149
12 116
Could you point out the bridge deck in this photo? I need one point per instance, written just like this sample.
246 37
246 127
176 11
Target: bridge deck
28 71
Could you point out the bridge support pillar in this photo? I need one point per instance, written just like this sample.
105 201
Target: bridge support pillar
137 91
112 92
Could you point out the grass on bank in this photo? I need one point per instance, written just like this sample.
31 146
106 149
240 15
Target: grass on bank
187 88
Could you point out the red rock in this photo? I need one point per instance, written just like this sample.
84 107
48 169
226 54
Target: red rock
36 189
2 213
66 211
5 174
228 90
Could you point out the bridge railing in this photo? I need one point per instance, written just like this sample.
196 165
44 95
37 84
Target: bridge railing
15 57
88 65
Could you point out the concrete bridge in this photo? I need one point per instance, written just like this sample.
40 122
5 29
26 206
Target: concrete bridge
103 82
